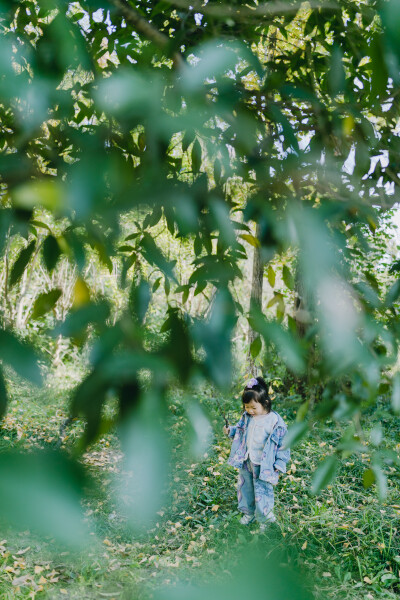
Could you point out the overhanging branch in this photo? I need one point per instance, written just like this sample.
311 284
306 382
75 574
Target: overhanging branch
143 27
224 11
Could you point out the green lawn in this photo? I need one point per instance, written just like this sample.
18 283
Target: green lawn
342 543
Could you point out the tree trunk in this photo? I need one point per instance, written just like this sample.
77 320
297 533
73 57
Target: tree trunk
302 316
255 297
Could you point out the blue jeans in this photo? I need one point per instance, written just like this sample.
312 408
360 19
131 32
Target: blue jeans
255 496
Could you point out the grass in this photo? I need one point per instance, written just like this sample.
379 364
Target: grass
342 543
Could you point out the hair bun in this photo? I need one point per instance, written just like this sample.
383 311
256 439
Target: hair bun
262 383
252 383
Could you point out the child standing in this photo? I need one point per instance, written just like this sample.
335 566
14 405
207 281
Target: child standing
258 452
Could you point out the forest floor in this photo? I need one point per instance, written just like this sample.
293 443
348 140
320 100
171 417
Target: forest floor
341 543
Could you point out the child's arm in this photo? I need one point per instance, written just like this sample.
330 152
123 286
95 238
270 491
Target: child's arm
231 429
282 453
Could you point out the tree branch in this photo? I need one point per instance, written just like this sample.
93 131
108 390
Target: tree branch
278 8
142 26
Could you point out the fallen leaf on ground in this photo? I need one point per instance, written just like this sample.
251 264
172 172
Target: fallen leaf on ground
21 580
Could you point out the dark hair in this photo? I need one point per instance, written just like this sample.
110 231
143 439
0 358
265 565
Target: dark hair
257 392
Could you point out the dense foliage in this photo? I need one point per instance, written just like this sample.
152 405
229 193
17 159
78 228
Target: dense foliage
121 120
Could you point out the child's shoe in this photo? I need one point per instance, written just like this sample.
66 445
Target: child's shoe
247 519
266 524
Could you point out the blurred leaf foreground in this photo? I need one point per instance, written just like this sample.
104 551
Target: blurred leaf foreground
192 194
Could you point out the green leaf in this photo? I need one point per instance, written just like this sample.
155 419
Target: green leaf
295 434
139 299
185 215
216 59
154 256
142 141
280 579
3 395
336 76
170 218
78 319
219 212
255 347
368 294
217 171
376 435
372 280
166 326
184 289
200 287
127 263
277 298
20 356
187 140
368 478
240 226
132 236
156 284
88 400
288 278
40 224
324 474
390 14
287 128
197 245
196 156
379 72
54 485
214 336
77 16
167 286
302 411
287 345
153 218
396 394
51 252
200 430
393 294
146 451
250 239
103 253
45 302
48 193
21 263
271 276
381 481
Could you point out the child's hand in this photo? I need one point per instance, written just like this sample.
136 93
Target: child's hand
226 430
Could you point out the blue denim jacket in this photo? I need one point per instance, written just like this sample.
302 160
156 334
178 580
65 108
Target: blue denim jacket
274 456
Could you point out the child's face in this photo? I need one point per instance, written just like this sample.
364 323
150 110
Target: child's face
254 408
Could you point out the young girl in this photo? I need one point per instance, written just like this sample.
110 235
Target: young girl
258 452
